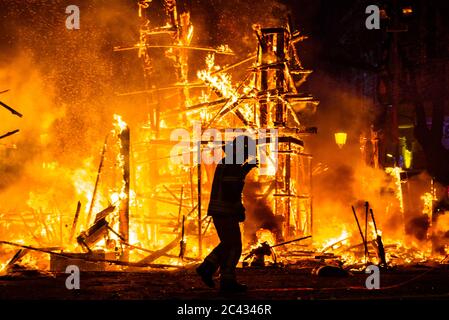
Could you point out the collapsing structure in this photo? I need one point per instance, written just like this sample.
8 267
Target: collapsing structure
267 98
266 104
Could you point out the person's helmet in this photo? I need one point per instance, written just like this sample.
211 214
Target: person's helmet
241 148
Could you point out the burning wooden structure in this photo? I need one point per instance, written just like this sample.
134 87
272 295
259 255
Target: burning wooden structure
267 98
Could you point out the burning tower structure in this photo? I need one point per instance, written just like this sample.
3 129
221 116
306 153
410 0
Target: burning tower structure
268 99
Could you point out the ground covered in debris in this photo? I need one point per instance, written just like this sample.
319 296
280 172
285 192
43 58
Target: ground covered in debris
412 282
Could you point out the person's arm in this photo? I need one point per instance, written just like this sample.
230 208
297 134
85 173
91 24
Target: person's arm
247 167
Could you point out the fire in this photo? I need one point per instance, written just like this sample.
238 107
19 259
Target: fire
117 196
427 199
221 82
119 123
395 172
264 235
82 181
343 238
133 237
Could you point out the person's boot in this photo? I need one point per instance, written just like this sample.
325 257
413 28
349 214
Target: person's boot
206 271
232 286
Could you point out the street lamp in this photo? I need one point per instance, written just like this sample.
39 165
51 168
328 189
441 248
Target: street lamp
340 139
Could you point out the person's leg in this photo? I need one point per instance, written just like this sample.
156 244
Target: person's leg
214 258
231 246
212 262
218 253
210 265
229 232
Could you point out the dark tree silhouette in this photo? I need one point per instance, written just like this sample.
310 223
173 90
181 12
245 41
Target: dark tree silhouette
430 139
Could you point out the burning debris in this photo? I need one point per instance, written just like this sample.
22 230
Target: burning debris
14 112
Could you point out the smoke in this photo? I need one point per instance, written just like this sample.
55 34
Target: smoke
231 21
30 97
64 83
341 178
222 22
418 227
259 212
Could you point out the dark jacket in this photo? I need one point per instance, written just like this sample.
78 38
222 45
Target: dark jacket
226 193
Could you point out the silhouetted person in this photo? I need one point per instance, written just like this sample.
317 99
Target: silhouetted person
227 210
